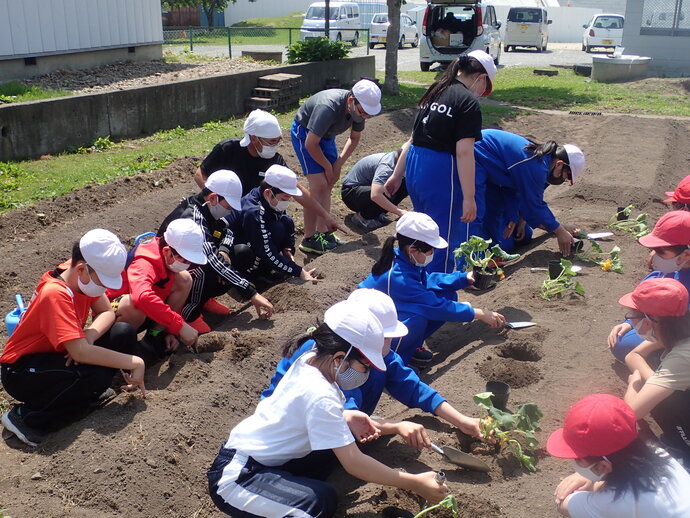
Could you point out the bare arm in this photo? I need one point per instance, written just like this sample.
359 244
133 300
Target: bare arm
378 197
104 318
643 397
393 183
200 178
464 154
636 360
469 425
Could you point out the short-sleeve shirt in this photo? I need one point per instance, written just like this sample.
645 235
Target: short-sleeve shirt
455 115
376 168
670 500
230 155
674 371
304 413
325 114
55 315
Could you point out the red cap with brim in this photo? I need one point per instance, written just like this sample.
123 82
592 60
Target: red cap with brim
672 229
682 192
661 297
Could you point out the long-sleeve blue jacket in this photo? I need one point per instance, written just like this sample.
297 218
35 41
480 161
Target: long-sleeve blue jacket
401 382
502 160
416 292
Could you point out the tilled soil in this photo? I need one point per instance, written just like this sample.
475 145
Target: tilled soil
148 457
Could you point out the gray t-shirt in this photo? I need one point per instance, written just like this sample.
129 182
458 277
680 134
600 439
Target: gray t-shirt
376 168
325 114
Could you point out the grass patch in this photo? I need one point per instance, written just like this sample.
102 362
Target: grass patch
16 92
288 21
568 91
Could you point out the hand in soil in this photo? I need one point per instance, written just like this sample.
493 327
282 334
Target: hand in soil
425 485
264 309
135 379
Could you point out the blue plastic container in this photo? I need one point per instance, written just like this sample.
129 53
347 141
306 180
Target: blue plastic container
12 318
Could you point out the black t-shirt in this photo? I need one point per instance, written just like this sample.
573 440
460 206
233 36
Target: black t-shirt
455 115
230 155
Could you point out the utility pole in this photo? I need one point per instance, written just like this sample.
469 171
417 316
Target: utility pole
327 25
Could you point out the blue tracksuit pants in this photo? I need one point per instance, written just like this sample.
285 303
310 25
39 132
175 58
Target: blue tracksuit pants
495 220
418 330
434 187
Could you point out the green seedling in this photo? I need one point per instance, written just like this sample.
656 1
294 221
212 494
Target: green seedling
553 287
449 502
478 255
638 226
609 262
503 427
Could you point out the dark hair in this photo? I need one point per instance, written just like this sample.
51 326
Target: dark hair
680 206
673 330
549 148
386 258
637 468
676 249
465 64
265 185
76 253
327 342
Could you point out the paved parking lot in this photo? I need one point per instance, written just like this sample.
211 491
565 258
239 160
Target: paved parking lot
408 58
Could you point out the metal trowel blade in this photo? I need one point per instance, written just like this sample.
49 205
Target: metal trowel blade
465 459
520 325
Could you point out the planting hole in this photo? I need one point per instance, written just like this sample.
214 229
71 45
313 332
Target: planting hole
513 372
521 351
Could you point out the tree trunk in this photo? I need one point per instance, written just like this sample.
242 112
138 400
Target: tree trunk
327 20
392 38
209 11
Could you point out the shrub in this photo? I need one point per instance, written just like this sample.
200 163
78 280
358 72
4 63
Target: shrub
316 49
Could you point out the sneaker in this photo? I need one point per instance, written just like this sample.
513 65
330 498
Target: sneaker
366 224
14 423
422 356
315 244
384 219
332 240
154 343
213 306
200 325
104 398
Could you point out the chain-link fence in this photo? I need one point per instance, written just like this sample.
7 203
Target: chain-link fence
229 41
665 17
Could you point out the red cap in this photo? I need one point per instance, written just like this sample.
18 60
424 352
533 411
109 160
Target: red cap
673 228
682 192
597 425
661 297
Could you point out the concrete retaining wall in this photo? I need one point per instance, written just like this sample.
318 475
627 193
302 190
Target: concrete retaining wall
51 126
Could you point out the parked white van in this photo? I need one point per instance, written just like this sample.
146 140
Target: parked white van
526 27
344 22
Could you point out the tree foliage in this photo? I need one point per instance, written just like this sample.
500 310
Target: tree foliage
210 7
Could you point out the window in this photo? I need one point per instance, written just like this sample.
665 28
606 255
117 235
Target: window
380 18
665 18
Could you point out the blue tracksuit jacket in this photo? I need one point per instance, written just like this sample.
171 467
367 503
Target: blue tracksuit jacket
424 301
400 381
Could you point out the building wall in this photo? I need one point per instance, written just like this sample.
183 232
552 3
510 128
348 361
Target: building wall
31 28
670 54
567 22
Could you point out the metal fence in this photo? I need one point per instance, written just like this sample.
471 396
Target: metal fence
224 41
665 18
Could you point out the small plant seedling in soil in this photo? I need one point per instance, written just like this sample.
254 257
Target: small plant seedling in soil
555 287
638 226
609 262
478 255
504 427
449 502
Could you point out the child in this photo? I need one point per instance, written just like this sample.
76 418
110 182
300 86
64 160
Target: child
156 284
55 365
261 469
425 301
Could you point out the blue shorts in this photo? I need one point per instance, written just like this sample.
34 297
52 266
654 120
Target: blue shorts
299 143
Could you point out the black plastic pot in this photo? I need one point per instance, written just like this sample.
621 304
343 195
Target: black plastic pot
621 215
395 512
501 391
578 245
555 269
483 280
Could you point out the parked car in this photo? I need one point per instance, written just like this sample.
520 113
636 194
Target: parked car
344 22
603 30
379 30
455 27
526 27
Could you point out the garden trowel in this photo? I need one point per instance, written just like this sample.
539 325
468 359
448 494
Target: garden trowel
520 325
461 458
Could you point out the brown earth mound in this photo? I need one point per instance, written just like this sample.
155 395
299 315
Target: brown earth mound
148 457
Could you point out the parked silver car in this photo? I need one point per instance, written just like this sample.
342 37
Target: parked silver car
455 27
603 30
379 29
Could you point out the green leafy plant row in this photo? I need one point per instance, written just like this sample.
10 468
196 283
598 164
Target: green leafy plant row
477 253
638 226
316 49
609 262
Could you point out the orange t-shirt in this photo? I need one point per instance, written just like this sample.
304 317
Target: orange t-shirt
55 315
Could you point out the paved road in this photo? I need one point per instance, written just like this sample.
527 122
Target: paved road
408 58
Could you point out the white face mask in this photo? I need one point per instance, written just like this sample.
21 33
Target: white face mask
427 260
90 289
218 211
281 205
649 335
666 265
587 471
474 83
178 266
268 151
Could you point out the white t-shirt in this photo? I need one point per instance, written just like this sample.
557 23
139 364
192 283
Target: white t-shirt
304 413
670 500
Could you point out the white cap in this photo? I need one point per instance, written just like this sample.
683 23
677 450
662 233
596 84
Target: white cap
488 63
228 185
187 238
368 95
576 160
383 308
419 226
261 124
103 252
360 329
282 178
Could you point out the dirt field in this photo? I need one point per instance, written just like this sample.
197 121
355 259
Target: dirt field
145 458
